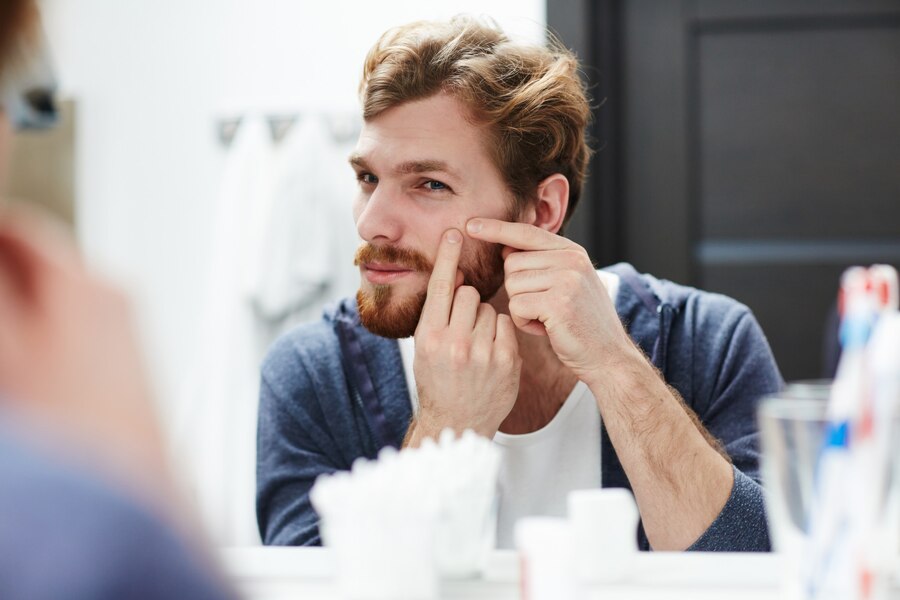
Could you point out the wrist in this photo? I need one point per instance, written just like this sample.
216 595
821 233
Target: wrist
423 427
415 434
621 366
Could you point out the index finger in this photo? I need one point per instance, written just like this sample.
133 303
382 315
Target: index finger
521 236
442 283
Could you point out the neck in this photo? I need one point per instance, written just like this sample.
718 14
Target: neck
544 384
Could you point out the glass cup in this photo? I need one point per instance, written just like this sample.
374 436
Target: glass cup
793 426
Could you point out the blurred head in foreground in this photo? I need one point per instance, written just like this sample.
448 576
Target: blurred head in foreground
88 507
61 325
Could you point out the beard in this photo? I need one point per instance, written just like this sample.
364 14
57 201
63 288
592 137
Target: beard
383 313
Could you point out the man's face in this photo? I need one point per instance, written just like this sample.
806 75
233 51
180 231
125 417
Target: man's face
422 169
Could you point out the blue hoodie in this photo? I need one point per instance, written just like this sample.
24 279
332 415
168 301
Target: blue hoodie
332 392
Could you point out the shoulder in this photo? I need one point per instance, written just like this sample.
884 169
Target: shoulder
710 310
653 308
301 355
68 534
709 338
718 343
703 310
717 327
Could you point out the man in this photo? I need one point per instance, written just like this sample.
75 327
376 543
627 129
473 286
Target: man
88 506
470 162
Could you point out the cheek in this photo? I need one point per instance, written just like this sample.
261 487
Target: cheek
476 254
479 256
500 209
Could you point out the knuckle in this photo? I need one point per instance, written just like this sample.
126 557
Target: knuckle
506 358
511 264
572 279
516 280
467 293
440 287
502 357
516 304
429 346
480 354
511 283
459 352
573 256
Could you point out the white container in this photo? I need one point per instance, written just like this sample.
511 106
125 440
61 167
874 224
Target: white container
604 533
392 560
465 534
545 553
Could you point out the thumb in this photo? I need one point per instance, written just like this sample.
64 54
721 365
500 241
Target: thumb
531 326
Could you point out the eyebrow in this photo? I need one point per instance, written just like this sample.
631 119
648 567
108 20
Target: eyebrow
409 167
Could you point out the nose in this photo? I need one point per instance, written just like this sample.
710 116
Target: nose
378 216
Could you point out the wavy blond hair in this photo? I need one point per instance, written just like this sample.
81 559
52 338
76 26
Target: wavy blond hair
530 99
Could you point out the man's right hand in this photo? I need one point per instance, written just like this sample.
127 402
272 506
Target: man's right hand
467 361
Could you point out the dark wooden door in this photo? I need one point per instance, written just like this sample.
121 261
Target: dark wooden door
757 149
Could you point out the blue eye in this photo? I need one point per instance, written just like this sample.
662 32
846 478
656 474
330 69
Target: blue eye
435 185
367 178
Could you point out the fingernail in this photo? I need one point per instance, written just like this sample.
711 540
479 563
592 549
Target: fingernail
474 226
454 237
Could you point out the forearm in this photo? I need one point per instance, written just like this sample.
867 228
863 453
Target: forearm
680 480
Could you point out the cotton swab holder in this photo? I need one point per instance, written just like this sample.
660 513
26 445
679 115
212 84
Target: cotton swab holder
399 523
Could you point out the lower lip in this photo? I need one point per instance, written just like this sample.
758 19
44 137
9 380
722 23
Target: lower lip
383 277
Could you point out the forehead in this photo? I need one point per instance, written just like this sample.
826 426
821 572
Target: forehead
435 128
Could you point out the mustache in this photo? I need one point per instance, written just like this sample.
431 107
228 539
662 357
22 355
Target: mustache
405 257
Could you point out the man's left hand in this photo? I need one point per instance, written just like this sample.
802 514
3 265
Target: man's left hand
554 290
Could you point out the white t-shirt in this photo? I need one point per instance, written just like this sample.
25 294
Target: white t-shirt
539 469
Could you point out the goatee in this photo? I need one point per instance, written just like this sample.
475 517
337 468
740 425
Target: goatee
382 313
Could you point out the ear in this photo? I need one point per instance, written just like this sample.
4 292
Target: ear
18 268
552 202
17 293
34 250
34 254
